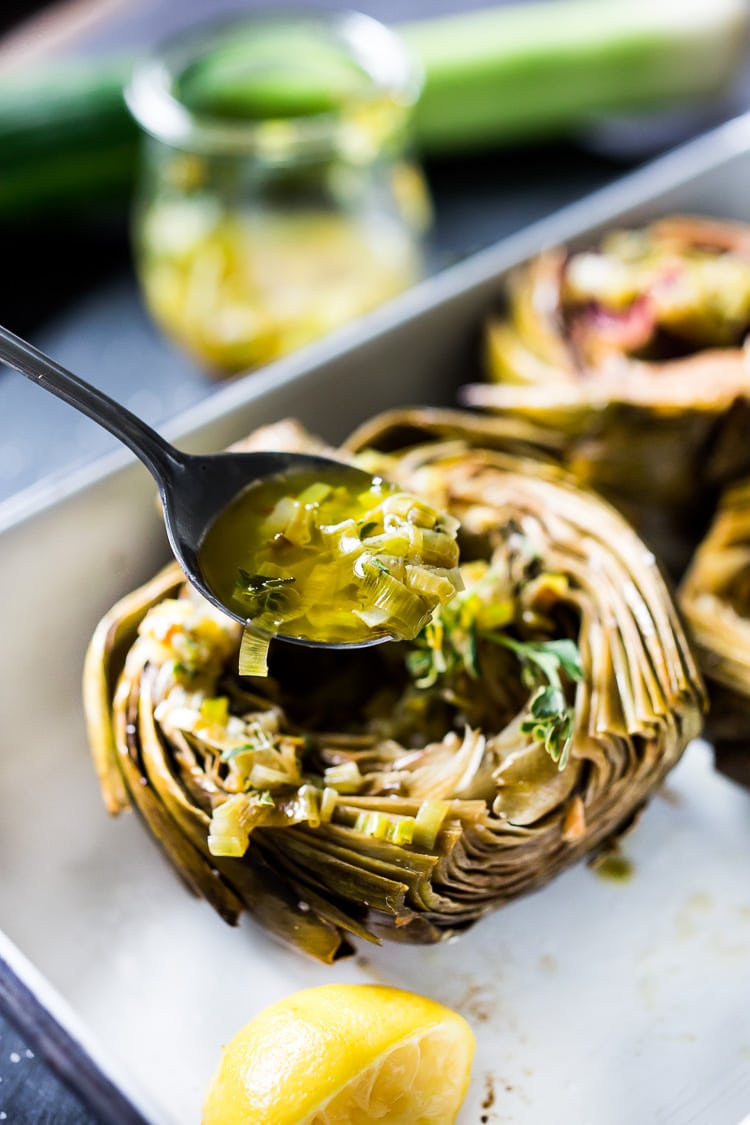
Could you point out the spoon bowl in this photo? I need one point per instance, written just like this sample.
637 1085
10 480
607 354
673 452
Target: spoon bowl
194 489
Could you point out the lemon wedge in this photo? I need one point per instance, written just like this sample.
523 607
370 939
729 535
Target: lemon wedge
344 1055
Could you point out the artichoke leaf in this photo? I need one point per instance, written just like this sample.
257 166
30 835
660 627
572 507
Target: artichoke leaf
715 599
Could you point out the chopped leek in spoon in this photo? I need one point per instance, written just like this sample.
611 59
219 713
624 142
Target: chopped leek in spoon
328 562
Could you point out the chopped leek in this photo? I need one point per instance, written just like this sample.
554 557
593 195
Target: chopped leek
233 821
344 778
326 561
428 822
386 826
215 710
253 659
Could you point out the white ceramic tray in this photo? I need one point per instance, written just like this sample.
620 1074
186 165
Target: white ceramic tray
593 1003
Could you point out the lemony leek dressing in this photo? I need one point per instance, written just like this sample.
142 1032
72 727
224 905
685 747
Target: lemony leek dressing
289 204
321 560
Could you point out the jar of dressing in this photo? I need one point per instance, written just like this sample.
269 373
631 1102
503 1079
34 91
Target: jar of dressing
277 199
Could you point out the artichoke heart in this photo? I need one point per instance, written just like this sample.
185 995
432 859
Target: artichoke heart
406 790
630 359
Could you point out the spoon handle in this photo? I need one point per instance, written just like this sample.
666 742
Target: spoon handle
157 455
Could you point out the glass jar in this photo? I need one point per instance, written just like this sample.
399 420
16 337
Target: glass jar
276 197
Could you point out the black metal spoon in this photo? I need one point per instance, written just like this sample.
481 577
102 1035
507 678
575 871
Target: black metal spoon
194 489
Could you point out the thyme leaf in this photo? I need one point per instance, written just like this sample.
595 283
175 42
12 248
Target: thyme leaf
258 592
259 583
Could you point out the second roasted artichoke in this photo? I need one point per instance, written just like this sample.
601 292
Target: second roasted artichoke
405 791
630 358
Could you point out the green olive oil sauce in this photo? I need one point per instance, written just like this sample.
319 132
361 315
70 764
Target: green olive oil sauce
315 558
614 867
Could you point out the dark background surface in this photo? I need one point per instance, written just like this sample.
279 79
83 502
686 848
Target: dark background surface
71 289
29 1092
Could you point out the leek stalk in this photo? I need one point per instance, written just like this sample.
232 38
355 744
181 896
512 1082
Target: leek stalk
516 72
492 76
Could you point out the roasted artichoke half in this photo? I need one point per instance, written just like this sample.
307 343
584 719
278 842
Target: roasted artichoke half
630 357
715 600
406 790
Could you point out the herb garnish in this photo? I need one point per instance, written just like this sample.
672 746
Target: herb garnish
258 591
449 644
260 583
542 663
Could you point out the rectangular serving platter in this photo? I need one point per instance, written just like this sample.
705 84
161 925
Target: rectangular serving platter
592 1002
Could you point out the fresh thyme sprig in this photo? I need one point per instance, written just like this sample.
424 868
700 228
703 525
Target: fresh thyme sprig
450 644
543 663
